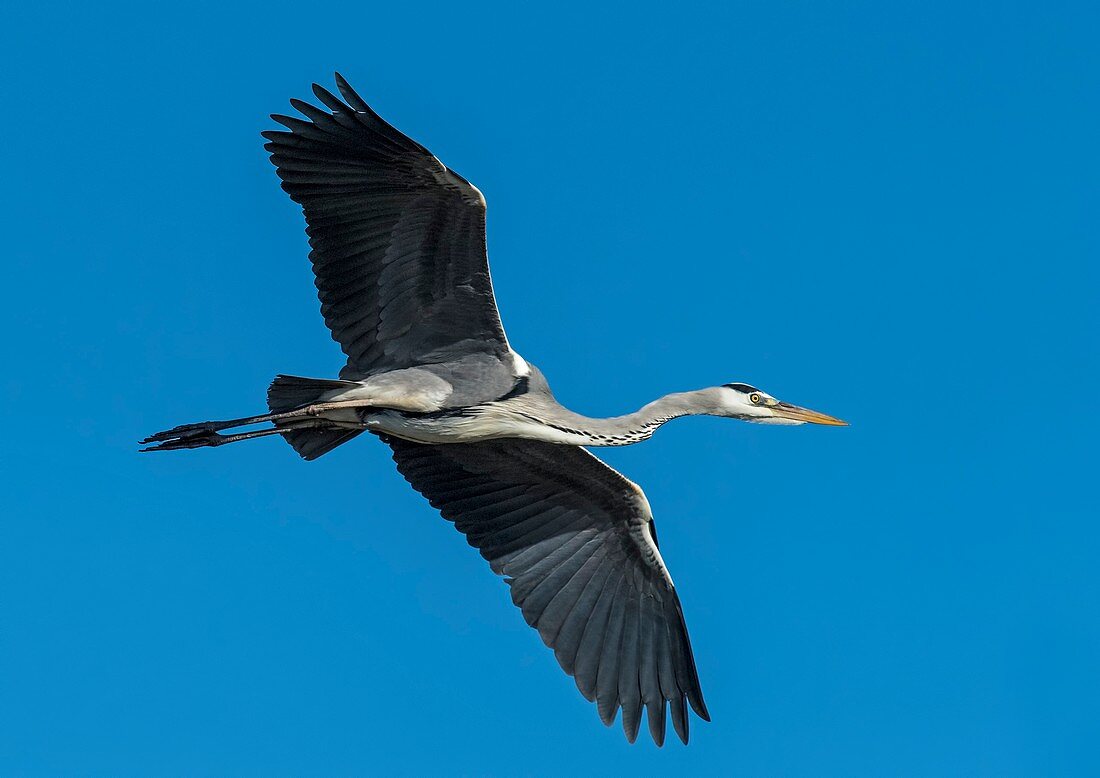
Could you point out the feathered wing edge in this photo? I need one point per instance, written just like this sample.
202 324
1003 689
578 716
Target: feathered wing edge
572 538
397 239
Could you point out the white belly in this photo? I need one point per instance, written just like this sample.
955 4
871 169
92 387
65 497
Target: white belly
468 429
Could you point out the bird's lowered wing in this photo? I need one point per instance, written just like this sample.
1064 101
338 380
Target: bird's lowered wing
398 239
574 540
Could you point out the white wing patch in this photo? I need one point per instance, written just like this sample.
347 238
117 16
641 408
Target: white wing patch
519 364
480 196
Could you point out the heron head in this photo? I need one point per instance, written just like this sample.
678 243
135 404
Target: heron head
741 401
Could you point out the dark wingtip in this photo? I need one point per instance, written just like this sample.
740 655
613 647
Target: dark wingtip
283 119
343 85
632 724
678 711
354 101
329 99
699 706
655 716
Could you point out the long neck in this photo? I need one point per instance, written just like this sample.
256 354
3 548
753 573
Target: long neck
637 426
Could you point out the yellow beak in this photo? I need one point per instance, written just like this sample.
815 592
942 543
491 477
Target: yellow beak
788 411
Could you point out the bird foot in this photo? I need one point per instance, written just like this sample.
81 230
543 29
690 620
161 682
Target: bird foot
195 436
183 431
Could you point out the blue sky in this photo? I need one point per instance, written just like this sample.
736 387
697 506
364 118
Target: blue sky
884 211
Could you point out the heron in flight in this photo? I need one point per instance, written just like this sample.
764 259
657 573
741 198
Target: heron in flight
398 249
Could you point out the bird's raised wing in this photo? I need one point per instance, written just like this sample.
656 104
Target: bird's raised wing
398 239
575 541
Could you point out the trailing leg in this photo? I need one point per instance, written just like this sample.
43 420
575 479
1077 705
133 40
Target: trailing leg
313 414
203 430
202 438
198 428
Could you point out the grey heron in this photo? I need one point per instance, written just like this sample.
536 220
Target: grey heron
399 254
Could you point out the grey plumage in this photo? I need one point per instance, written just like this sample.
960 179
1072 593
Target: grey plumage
398 249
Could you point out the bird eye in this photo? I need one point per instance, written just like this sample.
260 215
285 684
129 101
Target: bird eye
754 398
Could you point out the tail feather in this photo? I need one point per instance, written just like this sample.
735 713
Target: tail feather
313 443
288 392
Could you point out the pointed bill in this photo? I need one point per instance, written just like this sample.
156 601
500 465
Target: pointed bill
795 413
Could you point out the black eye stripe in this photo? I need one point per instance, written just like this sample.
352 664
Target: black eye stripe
742 388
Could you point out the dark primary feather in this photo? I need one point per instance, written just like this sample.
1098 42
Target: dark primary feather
398 239
571 536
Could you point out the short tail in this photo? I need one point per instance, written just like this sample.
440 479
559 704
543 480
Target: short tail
288 392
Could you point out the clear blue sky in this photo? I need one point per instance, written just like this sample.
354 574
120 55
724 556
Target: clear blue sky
884 211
